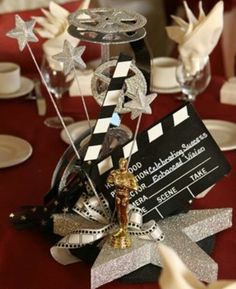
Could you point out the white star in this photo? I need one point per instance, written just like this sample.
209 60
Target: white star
65 210
23 218
140 104
70 57
23 32
11 215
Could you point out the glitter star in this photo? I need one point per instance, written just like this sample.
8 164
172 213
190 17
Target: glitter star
23 218
181 233
65 210
11 215
56 203
23 32
140 104
70 57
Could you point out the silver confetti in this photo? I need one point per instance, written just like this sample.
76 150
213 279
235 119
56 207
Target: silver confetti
181 233
70 57
140 104
23 32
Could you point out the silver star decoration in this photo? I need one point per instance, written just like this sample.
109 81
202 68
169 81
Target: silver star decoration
133 83
23 32
11 215
65 210
70 57
140 104
56 203
181 233
23 218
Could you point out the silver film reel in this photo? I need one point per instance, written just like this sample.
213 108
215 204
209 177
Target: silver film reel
104 38
107 25
107 20
102 77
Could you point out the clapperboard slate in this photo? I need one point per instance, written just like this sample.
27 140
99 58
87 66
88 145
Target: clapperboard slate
174 161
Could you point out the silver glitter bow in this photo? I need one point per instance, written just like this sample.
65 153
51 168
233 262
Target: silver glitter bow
92 222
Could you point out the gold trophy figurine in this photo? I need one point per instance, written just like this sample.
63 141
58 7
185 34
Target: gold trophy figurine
124 182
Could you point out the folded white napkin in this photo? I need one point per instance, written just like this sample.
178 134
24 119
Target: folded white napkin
197 38
84 78
176 275
54 26
228 91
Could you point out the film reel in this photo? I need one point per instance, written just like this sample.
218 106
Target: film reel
105 38
101 79
107 20
107 25
69 173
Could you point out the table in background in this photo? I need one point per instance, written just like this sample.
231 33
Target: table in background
25 261
25 257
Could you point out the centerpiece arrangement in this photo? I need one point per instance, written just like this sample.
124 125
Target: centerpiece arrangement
113 199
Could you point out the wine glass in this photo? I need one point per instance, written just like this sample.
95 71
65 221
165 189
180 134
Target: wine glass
192 85
58 84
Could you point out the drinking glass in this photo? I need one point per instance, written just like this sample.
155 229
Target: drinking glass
58 84
192 85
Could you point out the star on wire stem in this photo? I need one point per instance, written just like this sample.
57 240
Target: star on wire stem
70 57
23 32
140 104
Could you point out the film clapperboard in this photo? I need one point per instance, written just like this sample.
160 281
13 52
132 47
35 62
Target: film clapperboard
174 160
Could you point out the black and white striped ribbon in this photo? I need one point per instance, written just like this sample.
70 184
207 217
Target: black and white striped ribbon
140 144
109 104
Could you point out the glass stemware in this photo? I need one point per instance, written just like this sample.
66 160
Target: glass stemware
192 85
58 84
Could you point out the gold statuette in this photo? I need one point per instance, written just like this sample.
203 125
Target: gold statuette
124 183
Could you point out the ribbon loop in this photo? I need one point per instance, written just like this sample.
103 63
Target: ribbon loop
91 208
93 222
84 237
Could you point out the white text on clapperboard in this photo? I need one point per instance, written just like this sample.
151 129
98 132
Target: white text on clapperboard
161 168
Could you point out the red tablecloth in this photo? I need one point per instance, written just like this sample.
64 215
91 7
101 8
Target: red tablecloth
25 261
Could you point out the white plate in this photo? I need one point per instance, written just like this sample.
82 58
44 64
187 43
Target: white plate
77 128
223 132
166 90
13 150
26 86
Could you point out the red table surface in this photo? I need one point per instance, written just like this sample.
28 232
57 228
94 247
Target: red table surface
25 260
